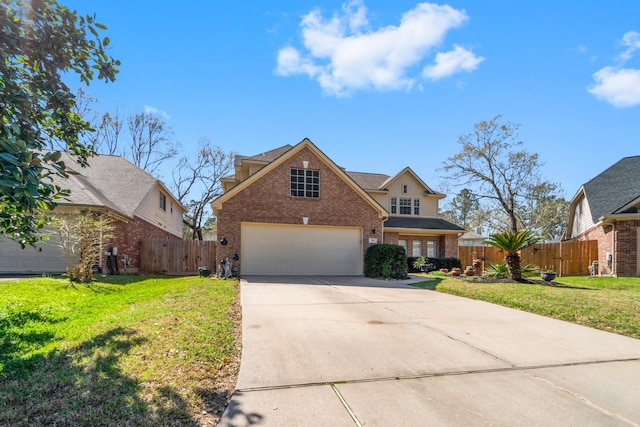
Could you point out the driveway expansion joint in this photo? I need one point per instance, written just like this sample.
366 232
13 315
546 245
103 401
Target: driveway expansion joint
346 405
435 375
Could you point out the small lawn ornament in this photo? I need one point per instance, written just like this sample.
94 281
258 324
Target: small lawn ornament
226 269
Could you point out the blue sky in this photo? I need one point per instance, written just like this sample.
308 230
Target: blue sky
380 85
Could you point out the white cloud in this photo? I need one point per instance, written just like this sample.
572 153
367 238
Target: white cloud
617 85
344 55
154 110
631 40
449 63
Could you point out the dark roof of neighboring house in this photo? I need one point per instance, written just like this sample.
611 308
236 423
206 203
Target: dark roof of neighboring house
421 223
109 181
614 188
368 181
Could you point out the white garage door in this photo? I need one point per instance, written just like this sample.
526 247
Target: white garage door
273 249
46 257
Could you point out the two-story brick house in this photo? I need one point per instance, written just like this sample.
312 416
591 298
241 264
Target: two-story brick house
292 210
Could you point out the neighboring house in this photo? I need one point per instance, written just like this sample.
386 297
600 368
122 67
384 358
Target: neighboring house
141 204
292 210
606 209
471 238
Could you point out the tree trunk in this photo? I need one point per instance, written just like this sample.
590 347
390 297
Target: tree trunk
513 266
513 220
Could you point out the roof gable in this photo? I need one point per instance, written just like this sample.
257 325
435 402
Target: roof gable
305 143
410 173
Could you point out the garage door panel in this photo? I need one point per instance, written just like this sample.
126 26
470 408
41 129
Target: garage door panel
46 257
299 250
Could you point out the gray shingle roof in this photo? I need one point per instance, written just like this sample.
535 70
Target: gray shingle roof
613 188
368 181
271 155
110 181
421 223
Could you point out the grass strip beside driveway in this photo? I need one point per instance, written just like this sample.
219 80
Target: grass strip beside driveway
607 303
126 350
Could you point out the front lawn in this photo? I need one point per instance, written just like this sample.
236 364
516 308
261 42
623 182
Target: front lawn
608 303
125 351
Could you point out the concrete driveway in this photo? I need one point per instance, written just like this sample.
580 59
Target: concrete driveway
349 351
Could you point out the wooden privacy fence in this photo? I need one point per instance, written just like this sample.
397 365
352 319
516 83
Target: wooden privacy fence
566 258
172 256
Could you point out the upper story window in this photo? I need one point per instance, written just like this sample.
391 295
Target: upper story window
416 206
163 202
305 183
394 205
404 189
405 206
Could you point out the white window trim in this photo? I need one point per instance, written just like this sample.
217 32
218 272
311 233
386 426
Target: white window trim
416 244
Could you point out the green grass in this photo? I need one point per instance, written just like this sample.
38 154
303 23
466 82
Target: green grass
608 303
125 350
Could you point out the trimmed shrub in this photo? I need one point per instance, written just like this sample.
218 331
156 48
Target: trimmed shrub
386 261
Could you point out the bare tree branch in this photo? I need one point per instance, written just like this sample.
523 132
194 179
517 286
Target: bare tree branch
494 167
150 141
109 134
196 183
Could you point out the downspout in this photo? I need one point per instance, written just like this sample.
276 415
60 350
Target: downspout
101 252
382 231
614 270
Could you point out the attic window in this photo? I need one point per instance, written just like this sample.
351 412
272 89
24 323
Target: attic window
163 202
305 183
404 189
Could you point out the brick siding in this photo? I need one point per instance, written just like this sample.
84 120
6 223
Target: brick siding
127 238
446 245
625 250
269 200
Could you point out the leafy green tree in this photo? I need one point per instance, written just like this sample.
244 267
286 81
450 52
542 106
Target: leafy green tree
512 242
40 42
461 209
492 164
544 212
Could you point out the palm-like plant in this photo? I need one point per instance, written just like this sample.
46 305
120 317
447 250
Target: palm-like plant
513 242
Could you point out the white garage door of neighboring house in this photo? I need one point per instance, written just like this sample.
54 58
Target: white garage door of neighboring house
275 249
45 257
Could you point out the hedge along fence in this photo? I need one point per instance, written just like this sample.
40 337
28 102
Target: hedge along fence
566 258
